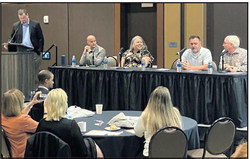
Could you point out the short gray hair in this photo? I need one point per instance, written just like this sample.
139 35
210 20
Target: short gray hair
234 40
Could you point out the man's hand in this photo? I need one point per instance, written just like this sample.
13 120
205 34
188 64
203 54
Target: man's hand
86 49
5 46
230 68
186 65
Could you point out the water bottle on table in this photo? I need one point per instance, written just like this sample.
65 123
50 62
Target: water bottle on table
73 61
105 62
210 68
143 66
178 65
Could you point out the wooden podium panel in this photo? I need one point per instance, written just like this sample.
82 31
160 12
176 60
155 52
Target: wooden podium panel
17 71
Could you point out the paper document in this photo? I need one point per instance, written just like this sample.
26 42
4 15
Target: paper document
96 133
121 120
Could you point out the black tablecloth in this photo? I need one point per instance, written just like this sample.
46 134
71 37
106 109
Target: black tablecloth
201 96
127 144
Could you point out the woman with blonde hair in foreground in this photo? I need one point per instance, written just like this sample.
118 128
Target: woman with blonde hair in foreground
158 114
55 107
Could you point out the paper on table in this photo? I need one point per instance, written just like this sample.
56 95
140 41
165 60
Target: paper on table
163 69
132 131
121 120
77 112
96 133
115 133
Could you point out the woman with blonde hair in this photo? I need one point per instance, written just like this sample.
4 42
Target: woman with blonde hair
16 122
54 121
158 114
137 52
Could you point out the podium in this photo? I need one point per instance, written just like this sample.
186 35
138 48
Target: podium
17 71
18 47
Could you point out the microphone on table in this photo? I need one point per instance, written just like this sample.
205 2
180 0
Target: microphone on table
223 53
120 54
222 61
181 51
121 51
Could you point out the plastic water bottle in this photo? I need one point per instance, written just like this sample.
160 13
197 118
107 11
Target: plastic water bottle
73 61
143 65
210 68
178 65
105 63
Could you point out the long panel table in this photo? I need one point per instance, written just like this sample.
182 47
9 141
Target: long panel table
201 96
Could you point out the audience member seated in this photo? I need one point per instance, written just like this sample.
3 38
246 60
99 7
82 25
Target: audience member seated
158 114
90 50
196 57
241 151
138 51
45 79
235 58
54 121
16 122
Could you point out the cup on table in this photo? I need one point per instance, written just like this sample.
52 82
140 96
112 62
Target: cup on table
98 108
82 126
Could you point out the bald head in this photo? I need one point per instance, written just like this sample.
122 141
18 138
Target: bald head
91 41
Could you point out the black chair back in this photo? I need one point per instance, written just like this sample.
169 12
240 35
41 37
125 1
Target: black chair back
168 142
45 144
220 136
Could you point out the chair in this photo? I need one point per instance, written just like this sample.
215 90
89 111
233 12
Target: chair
112 61
45 144
214 66
168 142
218 139
6 151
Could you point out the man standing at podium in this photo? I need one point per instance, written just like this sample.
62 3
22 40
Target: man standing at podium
29 34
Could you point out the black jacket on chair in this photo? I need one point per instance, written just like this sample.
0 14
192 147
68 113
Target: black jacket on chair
46 144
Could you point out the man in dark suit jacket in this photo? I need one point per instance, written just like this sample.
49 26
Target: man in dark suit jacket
46 82
35 32
29 33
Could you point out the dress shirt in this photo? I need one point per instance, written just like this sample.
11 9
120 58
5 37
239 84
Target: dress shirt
237 59
197 59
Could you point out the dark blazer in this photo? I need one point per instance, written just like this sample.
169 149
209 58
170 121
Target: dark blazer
69 132
36 35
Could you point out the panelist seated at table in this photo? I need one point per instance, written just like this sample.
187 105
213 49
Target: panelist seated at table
196 57
92 54
158 114
54 121
235 58
137 52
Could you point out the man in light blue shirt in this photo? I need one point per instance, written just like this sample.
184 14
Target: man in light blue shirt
196 57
